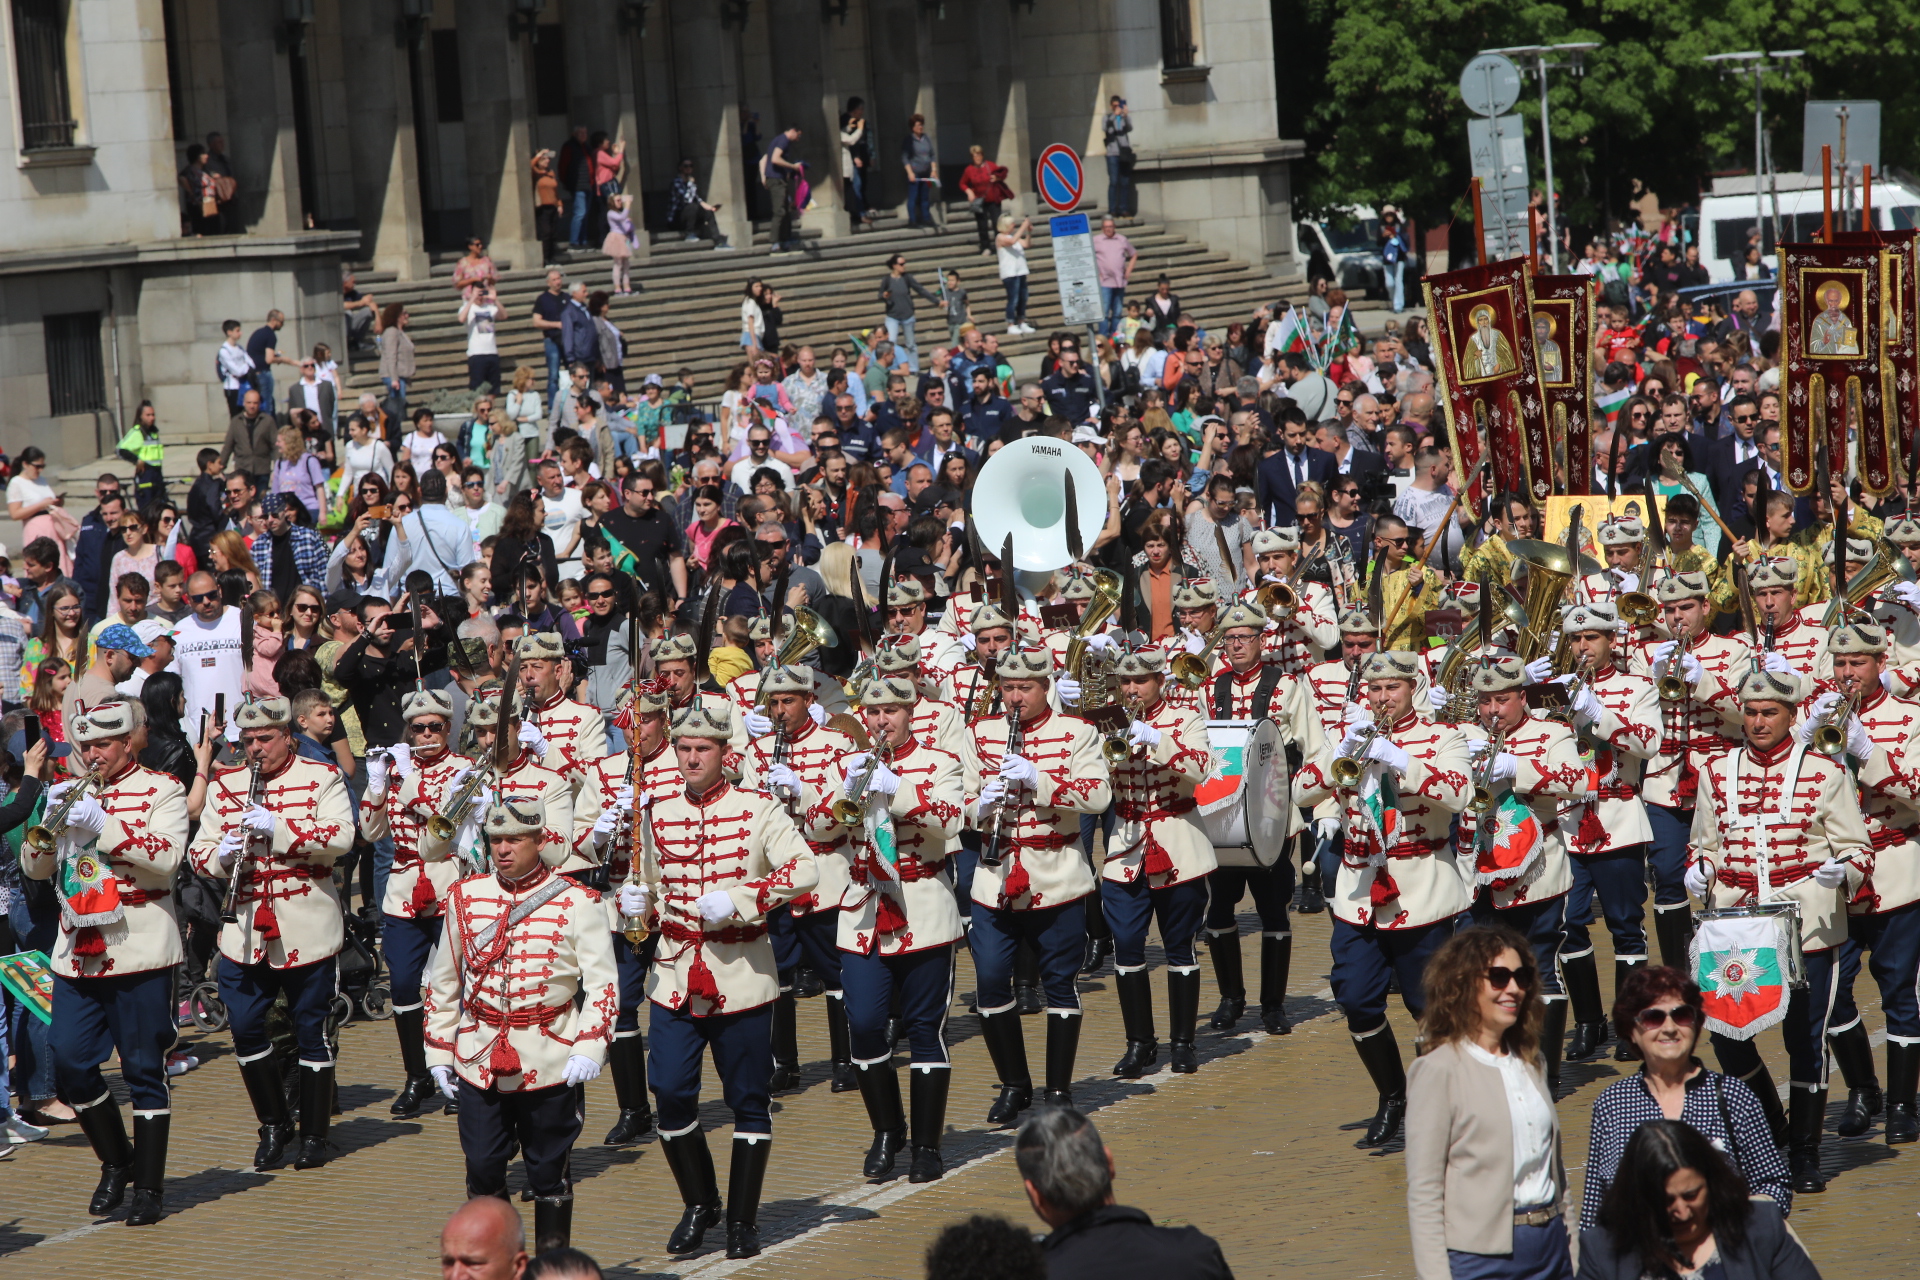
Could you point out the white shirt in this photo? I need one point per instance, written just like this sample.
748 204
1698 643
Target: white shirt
208 654
235 364
564 514
741 477
480 337
438 540
1013 259
1531 1119
420 450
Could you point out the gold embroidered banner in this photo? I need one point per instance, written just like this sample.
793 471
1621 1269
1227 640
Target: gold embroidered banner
1483 346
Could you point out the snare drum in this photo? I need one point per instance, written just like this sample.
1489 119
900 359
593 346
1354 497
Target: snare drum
1245 802
1748 961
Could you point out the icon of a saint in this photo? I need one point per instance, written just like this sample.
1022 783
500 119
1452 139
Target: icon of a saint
1832 333
1553 367
1486 352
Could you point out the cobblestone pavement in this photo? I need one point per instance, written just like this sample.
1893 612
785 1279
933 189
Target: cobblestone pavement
1257 1149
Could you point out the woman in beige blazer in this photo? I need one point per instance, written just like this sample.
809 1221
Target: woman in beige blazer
1485 1183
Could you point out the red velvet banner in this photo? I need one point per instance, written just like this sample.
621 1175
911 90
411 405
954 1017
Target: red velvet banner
1900 301
1836 377
1483 346
1563 328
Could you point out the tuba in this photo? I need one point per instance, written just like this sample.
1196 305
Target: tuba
808 631
1550 570
1883 567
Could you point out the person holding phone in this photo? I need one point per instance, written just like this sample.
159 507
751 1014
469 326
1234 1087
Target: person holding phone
208 647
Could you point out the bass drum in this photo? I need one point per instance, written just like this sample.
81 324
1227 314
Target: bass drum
1246 802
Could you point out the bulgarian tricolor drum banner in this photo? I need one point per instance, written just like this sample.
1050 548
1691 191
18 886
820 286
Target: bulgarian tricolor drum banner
1745 965
1483 346
1839 381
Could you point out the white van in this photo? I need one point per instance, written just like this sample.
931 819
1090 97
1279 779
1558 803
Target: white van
1726 216
1345 248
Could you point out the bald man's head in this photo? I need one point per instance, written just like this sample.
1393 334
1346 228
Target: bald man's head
200 587
483 1240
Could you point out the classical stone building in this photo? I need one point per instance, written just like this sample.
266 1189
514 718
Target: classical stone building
385 131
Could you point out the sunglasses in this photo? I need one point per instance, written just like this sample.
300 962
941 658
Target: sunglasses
427 726
1683 1016
1746 417
204 596
1499 976
474 484
306 608
645 493
1347 401
130 527
600 595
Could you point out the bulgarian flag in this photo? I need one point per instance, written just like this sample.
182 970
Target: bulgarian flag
1741 966
1609 402
1345 339
1289 334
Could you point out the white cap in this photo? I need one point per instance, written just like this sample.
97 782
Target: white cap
151 629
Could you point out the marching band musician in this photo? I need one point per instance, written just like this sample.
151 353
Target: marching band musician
673 661
898 922
519 1010
1302 638
742 689
1618 726
941 656
1859 551
1778 822
1159 859
406 785
1075 592
112 866
1253 689
726 856
1330 681
796 757
525 779
1520 866
1897 607
937 721
281 847
573 734
1399 894
1196 611
1796 635
989 634
611 835
1695 729
1884 917
1621 540
1032 798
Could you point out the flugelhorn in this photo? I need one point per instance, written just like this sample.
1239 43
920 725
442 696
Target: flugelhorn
1192 669
44 834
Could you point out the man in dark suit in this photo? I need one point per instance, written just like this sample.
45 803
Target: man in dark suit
942 439
1366 467
1280 476
311 392
1734 453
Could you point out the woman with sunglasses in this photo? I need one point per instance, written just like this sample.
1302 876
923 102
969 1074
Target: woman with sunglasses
1661 1011
227 553
1485 1181
305 609
366 455
139 556
163 522
32 501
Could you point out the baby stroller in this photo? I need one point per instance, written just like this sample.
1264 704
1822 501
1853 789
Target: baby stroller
358 983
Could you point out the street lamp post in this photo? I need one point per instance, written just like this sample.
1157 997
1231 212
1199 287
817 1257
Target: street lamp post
1753 64
1535 58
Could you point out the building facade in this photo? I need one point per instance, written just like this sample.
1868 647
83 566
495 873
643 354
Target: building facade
385 131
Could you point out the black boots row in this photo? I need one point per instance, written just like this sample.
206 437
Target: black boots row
1853 1055
269 1096
786 1046
1135 989
1007 1046
927 1093
143 1161
691 1161
1276 959
1591 1030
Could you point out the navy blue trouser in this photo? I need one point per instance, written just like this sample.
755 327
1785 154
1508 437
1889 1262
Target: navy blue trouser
1893 939
1672 832
1543 923
1057 934
742 1045
1539 1253
405 942
1804 1029
1619 878
924 981
1365 956
812 939
132 1012
1272 889
1131 907
248 991
544 1122
632 963
965 861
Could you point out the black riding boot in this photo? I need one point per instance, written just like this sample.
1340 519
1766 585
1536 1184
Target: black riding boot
1230 976
316 1113
692 1164
1553 1038
1806 1117
1183 1010
1310 898
552 1222
1007 1046
744 1180
107 1132
1623 1050
1674 929
1380 1053
627 1063
927 1100
1063 1045
845 1078
1582 978
269 1097
1276 960
1903 1076
149 1168
410 1026
1135 990
786 1045
1099 936
1028 997
1853 1054
880 1089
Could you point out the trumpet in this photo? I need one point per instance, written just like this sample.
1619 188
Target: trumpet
1350 764
44 834
443 824
1191 669
1484 797
1277 599
1830 731
851 808
1672 688
1637 608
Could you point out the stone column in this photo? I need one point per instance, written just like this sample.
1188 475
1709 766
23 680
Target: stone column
804 94
997 98
380 125
602 58
494 80
259 128
706 66
902 53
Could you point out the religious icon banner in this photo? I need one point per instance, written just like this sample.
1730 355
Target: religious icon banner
1489 381
1563 328
1838 382
1900 310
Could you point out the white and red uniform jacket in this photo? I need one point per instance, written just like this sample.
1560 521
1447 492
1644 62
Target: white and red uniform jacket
414 886
1040 826
1803 642
1699 728
1550 772
1298 643
817 754
1610 815
909 906
1159 836
576 734
1889 784
659 776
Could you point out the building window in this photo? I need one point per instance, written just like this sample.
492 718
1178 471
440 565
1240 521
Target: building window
549 71
76 380
40 64
1177 49
449 106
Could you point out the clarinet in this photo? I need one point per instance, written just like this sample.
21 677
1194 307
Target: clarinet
256 792
993 855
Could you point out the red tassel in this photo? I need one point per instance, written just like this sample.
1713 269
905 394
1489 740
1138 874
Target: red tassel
1593 832
89 942
889 919
1689 788
1383 890
265 923
1016 883
423 896
505 1059
700 983
1157 862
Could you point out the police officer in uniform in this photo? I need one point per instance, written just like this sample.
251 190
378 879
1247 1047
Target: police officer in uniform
519 1014
112 867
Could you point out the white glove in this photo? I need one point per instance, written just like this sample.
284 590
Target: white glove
1100 642
1018 769
633 901
402 761
1142 734
606 823
715 906
1271 578
1540 671
1859 744
1690 668
57 790
992 793
1356 715
88 817
1355 732
228 851
782 777
458 780
1695 880
1664 650
1438 697
967 641
444 1078
884 782
1383 752
757 724
579 1070
623 797
1504 769
1774 660
1069 691
258 819
818 712
1907 593
1628 581
1194 641
1327 828
1830 874
1585 706
531 738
